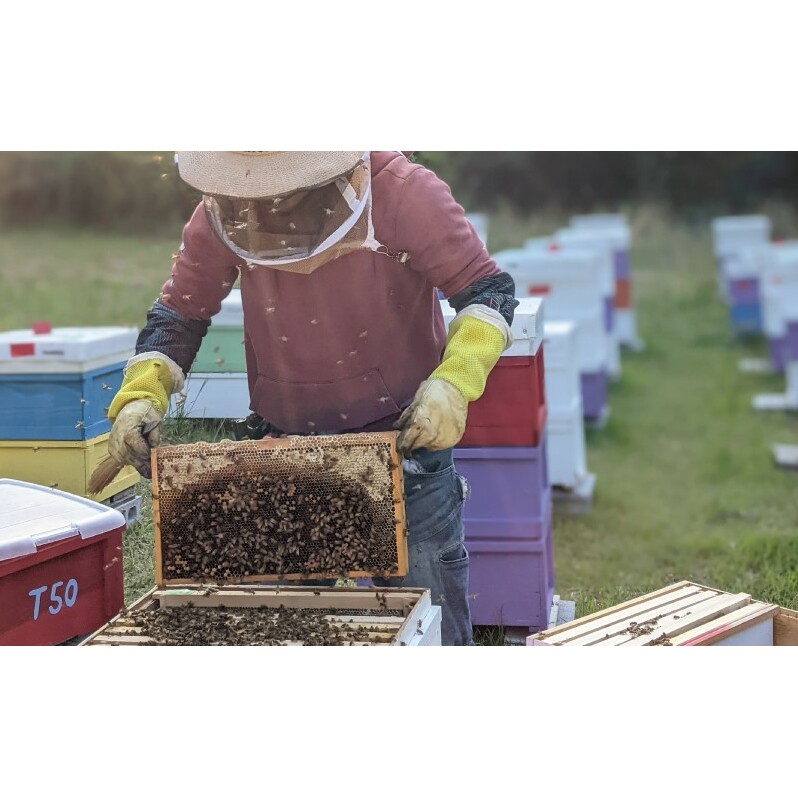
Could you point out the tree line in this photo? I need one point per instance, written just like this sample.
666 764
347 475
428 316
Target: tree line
141 191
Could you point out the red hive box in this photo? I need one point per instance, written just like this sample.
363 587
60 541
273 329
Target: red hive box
512 411
60 565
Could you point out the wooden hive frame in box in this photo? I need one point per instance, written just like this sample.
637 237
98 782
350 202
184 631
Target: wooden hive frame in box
332 616
682 614
279 509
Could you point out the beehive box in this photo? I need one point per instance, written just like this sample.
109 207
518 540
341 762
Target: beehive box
57 384
66 465
61 572
264 615
512 410
683 614
315 507
222 348
213 395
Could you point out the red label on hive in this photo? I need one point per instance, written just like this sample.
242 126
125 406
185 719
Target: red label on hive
23 350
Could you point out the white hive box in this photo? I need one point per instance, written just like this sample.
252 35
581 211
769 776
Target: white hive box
779 288
571 286
527 326
605 242
561 364
210 395
232 312
565 449
683 614
480 223
731 233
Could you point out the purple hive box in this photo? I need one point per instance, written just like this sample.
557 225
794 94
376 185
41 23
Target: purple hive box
623 270
609 313
511 578
507 483
779 351
791 350
594 395
743 292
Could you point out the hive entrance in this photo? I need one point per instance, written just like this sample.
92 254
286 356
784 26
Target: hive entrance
293 508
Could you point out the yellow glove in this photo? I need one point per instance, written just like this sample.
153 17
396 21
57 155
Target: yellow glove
436 418
147 379
137 411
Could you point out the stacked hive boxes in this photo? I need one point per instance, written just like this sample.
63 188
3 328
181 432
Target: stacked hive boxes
739 278
573 282
217 386
61 572
567 460
615 229
508 517
55 388
779 293
602 243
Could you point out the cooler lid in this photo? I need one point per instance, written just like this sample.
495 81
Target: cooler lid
45 344
33 515
232 312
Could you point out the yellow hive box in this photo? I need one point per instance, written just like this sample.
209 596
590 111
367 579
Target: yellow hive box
66 465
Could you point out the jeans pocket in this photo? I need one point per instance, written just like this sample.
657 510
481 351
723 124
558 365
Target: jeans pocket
432 497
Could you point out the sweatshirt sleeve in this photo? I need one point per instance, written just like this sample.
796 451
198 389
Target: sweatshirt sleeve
203 272
441 242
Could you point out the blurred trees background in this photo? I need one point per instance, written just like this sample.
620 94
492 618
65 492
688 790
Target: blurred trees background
141 192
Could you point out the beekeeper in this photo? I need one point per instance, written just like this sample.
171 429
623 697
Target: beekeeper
339 256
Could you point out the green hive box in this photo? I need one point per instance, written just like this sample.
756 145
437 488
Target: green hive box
222 350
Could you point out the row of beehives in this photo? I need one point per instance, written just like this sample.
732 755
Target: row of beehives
61 564
759 281
758 278
55 388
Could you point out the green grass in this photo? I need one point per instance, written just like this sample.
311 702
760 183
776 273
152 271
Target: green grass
686 486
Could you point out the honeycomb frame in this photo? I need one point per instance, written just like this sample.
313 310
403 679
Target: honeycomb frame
279 509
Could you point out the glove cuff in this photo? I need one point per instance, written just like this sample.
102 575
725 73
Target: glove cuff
473 349
148 379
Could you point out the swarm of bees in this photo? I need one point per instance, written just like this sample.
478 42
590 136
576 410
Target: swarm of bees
255 626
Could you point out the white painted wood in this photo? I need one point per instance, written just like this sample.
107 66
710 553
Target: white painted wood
214 396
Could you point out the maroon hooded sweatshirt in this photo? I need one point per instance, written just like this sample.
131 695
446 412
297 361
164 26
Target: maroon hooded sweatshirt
343 348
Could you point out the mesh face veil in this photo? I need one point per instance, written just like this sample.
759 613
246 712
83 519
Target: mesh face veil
301 230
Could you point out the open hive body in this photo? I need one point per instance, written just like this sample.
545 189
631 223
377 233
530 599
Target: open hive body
267 615
317 507
684 614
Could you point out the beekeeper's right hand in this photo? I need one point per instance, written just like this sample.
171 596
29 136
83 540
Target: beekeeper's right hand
137 412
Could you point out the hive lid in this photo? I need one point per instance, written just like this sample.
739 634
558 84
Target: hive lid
527 326
70 349
33 515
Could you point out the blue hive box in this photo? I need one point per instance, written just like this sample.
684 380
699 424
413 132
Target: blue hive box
57 383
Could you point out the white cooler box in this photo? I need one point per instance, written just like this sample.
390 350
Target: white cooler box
565 448
561 364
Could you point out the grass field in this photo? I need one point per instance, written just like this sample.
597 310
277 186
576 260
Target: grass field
686 485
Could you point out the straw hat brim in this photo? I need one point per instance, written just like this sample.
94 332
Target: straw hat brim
251 175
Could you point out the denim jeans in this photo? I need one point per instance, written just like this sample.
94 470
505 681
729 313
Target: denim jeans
438 560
